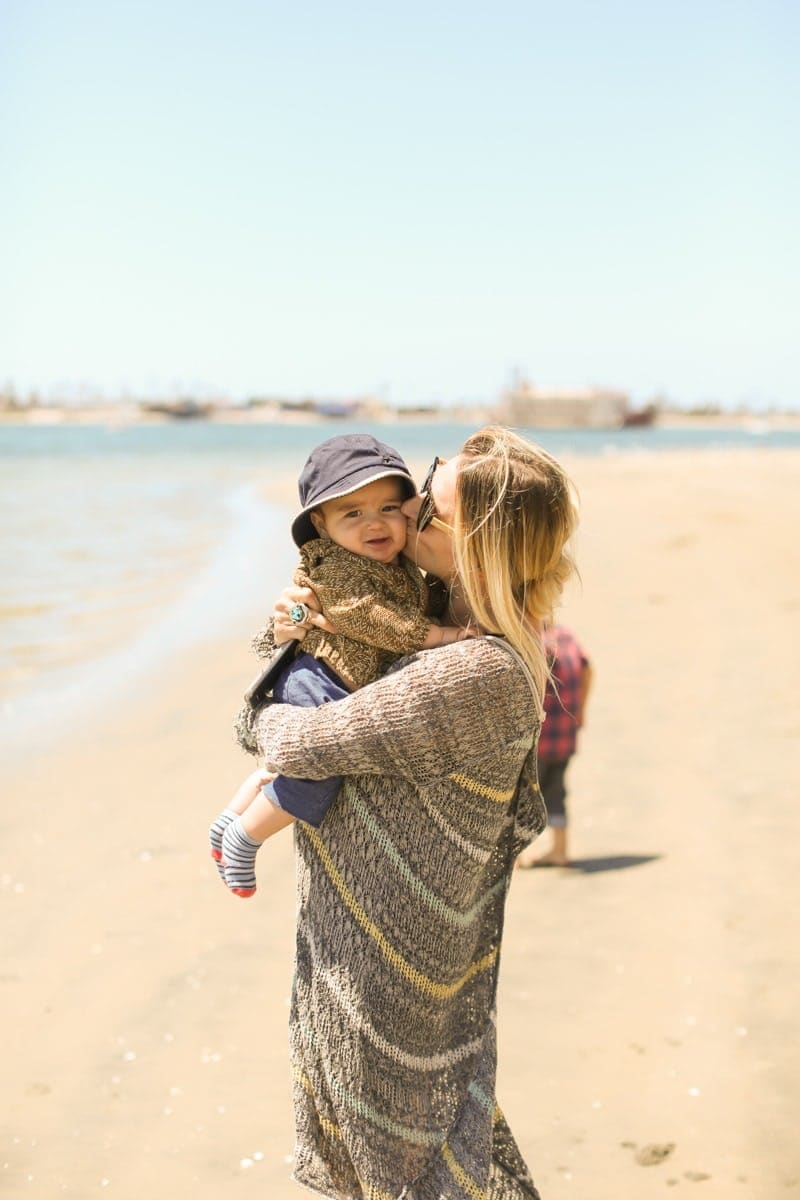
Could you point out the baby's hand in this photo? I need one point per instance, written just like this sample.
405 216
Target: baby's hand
445 635
469 631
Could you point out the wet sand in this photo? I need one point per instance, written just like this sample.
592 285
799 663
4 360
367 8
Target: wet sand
648 1001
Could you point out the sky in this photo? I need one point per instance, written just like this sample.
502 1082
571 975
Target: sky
414 201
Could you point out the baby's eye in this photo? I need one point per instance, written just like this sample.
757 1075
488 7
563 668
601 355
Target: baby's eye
355 512
391 507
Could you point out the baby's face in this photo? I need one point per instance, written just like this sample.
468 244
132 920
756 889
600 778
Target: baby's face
367 522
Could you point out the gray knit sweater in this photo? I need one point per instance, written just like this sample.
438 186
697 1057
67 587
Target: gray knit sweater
401 894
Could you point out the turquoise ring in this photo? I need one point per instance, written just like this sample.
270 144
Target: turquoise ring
298 614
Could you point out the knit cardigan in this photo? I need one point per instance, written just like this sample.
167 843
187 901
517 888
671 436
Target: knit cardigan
401 894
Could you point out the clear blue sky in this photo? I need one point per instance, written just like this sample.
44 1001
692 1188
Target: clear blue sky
412 199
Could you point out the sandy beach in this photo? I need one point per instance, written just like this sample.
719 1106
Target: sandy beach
648 995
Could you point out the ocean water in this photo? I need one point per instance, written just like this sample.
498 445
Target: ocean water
120 544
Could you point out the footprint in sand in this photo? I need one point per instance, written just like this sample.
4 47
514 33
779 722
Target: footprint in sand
653 1153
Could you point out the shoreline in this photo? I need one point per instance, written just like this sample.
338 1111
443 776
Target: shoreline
125 416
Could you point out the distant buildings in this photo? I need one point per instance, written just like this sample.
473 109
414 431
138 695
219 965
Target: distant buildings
529 406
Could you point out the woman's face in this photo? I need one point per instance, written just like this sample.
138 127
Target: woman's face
432 549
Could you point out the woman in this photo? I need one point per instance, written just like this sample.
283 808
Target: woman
401 891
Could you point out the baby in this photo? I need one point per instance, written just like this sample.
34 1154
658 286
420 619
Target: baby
351 533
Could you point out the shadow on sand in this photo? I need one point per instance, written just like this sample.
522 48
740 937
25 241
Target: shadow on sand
612 862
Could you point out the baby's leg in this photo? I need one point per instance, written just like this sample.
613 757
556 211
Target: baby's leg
243 798
242 839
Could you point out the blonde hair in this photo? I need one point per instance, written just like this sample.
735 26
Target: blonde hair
514 516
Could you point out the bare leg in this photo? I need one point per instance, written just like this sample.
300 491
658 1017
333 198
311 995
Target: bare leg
244 796
248 790
262 818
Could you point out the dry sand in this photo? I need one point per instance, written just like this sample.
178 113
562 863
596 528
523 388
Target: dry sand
649 995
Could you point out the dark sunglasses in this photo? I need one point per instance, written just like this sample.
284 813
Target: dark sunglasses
427 510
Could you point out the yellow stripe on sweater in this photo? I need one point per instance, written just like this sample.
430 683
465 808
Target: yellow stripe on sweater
482 789
328 1126
460 1175
439 991
371 1192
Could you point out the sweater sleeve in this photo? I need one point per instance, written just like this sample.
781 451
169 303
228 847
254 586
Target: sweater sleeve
420 722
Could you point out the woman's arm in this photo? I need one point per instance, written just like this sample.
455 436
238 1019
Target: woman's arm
421 722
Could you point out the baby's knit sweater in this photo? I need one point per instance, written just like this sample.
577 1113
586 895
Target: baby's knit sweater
401 895
378 610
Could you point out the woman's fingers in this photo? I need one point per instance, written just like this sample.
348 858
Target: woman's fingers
291 596
287 626
297 610
320 621
285 630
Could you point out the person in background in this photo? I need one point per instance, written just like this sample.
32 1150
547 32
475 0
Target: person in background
564 705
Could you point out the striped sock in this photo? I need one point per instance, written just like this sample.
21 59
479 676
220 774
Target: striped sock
215 837
239 859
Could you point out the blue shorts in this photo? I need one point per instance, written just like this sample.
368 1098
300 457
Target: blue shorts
308 683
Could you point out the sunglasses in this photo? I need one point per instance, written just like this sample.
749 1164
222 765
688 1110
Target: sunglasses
427 510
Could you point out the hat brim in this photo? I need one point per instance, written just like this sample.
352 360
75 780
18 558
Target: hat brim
303 527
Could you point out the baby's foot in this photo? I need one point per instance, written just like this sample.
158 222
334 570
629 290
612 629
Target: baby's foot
239 859
215 837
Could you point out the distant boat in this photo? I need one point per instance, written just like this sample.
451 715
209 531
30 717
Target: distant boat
180 410
336 408
636 417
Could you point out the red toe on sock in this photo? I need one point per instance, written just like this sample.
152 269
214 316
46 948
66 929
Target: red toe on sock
216 855
244 892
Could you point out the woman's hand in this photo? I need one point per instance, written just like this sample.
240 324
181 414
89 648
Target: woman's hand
285 627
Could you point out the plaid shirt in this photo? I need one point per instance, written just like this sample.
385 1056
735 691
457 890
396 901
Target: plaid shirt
567 660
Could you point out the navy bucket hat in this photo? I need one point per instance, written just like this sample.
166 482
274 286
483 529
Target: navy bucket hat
340 466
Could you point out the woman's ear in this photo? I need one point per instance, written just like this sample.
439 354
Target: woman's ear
318 522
